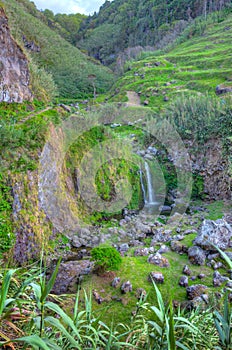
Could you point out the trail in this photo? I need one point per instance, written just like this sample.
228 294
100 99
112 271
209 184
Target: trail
133 99
33 115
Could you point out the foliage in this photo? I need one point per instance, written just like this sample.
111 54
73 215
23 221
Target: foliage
6 227
106 258
223 323
68 66
140 23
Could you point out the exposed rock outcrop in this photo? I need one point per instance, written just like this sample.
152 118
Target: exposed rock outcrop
14 72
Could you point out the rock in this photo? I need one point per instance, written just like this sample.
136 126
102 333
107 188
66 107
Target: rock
196 255
65 108
144 251
165 209
141 294
15 76
178 247
97 297
183 282
217 232
217 265
201 276
123 248
157 277
146 103
69 275
152 150
218 279
195 290
229 284
115 282
159 260
166 98
222 89
126 287
213 256
163 249
186 270
142 229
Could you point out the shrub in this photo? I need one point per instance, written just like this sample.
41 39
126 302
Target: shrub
106 258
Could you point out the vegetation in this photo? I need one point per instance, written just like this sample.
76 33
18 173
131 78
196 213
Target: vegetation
134 23
106 258
68 66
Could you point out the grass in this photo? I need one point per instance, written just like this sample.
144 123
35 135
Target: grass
136 270
195 66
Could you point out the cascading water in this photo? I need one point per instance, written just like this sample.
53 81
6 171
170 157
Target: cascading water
151 204
150 196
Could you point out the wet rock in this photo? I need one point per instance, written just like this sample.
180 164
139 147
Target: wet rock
116 281
196 255
217 232
159 260
126 287
141 294
165 209
183 282
157 277
196 290
186 270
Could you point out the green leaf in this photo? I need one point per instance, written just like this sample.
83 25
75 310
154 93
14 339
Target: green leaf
4 289
35 341
50 283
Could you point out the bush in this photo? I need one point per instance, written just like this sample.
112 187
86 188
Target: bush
106 258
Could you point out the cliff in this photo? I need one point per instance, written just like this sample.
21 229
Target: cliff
14 72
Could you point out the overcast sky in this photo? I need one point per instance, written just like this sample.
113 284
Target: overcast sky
70 6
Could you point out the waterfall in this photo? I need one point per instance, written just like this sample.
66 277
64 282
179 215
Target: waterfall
150 198
148 195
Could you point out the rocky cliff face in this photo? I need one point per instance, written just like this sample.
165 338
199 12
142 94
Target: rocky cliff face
14 73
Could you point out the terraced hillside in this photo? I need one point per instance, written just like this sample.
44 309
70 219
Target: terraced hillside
198 65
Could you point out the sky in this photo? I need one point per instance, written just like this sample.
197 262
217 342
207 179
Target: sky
69 6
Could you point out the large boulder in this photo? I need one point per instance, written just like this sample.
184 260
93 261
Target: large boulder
217 232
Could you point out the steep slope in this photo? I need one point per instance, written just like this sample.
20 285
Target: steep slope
70 68
14 76
128 23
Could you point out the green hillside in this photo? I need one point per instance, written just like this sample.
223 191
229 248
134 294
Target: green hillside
69 67
123 24
196 66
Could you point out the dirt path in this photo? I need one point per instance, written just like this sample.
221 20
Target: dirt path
134 99
33 115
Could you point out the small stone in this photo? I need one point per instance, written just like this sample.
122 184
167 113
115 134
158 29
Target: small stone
195 290
186 270
217 265
183 282
201 276
126 287
141 294
158 259
157 277
116 282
